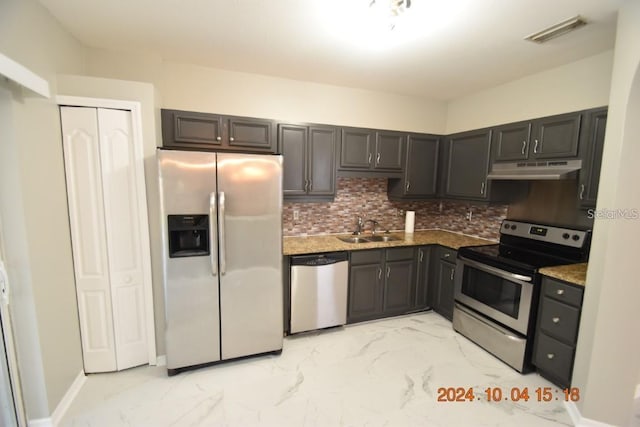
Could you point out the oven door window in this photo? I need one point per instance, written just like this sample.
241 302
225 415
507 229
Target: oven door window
493 291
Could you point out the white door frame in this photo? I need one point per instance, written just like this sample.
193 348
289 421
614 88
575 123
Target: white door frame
136 122
9 342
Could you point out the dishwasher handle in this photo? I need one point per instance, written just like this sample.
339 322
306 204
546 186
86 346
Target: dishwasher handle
320 259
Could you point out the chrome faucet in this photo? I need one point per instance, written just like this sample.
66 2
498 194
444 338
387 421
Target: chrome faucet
359 226
374 224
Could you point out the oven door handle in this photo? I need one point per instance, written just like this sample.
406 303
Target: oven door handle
496 271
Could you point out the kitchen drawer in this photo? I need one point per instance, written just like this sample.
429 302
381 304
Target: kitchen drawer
398 254
562 291
559 320
554 358
448 254
367 257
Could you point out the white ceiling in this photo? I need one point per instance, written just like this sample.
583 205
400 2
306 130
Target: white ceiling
473 44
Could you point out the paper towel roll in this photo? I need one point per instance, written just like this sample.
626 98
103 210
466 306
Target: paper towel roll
409 222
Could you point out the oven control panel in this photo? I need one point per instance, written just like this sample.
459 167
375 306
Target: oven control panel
546 233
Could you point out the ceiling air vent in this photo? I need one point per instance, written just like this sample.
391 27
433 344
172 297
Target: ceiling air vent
557 30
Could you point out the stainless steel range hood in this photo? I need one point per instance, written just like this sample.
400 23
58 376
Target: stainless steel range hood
533 171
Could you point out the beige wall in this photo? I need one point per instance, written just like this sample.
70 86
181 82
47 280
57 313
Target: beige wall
34 210
144 93
607 364
31 36
191 87
575 86
571 87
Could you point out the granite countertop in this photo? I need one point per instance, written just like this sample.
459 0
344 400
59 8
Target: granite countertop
331 243
572 273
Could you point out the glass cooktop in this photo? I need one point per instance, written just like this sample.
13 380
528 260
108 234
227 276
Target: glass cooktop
509 258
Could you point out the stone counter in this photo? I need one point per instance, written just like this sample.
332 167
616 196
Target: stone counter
331 243
572 273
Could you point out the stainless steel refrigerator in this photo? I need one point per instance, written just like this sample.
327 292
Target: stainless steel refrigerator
222 255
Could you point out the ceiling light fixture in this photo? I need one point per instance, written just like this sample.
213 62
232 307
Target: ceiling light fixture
391 9
557 30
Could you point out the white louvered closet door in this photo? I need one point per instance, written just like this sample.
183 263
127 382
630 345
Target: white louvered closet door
106 236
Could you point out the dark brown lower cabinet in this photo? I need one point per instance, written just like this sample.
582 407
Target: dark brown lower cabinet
423 277
399 280
381 283
365 293
556 332
441 285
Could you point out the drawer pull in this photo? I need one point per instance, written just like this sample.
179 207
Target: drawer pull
560 292
555 319
550 355
447 255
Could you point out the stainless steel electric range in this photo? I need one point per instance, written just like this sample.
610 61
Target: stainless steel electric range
497 286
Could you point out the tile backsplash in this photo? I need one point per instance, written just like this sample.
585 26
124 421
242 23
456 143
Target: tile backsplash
367 197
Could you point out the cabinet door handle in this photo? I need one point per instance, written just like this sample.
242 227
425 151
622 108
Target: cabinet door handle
378 159
408 186
560 292
452 272
581 191
310 185
218 138
388 271
369 161
524 146
421 257
550 355
379 273
482 188
555 319
535 147
306 186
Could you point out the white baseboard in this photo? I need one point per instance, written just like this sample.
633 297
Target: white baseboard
162 360
40 422
67 399
578 420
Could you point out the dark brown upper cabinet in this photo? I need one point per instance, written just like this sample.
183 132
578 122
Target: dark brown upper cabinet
468 165
356 149
389 150
251 134
554 137
309 162
419 180
367 152
511 142
591 146
204 131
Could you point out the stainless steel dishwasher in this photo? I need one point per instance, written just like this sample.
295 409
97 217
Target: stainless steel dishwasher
319 286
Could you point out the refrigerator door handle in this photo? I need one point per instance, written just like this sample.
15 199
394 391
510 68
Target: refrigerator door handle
213 244
223 261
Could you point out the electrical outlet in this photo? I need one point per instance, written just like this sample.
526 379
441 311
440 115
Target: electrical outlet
399 212
469 214
296 215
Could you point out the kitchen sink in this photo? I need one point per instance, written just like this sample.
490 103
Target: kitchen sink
381 238
368 239
354 239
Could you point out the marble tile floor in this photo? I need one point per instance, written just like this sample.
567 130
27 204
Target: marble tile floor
382 373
